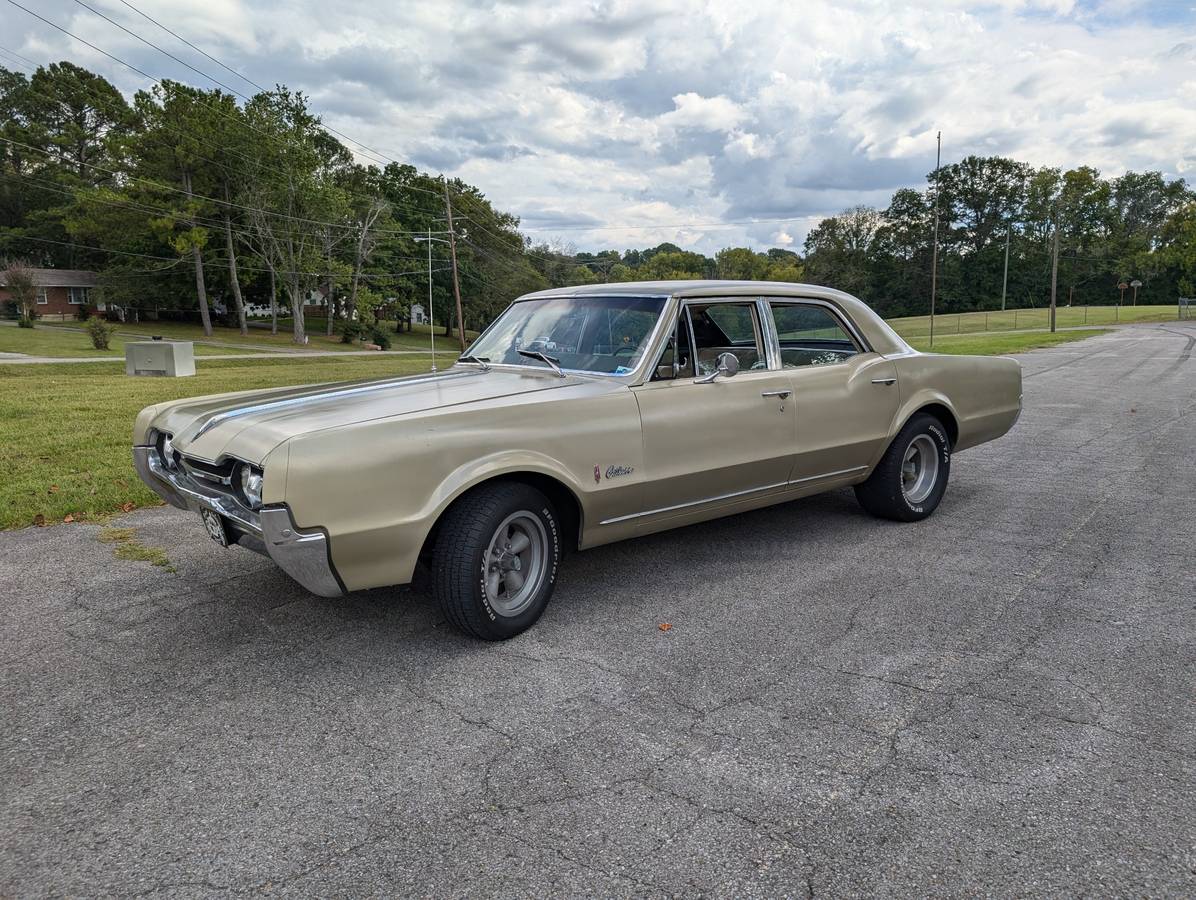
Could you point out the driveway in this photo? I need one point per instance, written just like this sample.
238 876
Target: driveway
997 701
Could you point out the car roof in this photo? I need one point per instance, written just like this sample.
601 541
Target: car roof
882 338
688 288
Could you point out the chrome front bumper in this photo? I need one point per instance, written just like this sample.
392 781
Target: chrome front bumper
272 532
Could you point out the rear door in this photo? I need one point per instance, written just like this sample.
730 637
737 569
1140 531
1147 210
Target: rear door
844 394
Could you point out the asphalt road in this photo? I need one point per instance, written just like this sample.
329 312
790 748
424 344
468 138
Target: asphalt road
998 701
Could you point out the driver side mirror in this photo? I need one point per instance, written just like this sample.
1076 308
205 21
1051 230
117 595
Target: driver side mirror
727 366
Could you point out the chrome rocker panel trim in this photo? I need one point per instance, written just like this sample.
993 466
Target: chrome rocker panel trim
303 554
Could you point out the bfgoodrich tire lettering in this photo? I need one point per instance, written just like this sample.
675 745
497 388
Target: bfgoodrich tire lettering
909 481
495 560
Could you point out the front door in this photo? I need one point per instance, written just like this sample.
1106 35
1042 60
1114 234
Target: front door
730 438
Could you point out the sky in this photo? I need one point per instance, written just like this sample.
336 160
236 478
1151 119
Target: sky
609 125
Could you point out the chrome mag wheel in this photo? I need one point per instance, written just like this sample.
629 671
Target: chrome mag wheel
919 468
516 562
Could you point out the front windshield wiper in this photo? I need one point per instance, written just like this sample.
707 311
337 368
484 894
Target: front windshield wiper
483 361
544 358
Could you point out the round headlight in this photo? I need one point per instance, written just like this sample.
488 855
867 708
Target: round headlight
251 486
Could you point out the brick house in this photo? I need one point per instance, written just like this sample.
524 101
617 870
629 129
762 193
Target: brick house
61 293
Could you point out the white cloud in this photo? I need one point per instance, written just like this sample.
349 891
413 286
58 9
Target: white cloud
658 113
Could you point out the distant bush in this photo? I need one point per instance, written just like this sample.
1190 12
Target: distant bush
100 332
380 336
25 322
351 331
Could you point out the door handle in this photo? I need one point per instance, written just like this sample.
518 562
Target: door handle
884 380
781 394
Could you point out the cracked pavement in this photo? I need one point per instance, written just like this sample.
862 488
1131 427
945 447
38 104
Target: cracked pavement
997 701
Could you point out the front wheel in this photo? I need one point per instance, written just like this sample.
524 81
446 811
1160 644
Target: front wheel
910 479
495 560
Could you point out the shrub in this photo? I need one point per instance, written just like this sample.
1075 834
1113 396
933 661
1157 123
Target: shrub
379 336
350 331
25 322
100 332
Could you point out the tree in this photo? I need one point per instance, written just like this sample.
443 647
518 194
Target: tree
18 277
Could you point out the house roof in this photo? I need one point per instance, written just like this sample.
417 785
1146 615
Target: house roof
60 278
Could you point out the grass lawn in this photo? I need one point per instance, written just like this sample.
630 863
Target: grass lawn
419 339
66 430
42 340
998 344
912 327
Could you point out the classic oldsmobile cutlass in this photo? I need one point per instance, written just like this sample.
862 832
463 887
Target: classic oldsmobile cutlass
581 416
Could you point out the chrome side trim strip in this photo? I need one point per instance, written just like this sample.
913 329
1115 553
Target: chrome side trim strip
732 495
221 418
834 474
664 509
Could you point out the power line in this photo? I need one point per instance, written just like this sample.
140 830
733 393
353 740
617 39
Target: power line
219 149
191 195
202 52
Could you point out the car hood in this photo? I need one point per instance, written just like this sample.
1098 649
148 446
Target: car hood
249 425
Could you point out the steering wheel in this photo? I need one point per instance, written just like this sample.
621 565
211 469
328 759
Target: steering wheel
621 351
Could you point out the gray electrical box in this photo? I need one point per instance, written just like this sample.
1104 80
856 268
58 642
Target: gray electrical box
172 359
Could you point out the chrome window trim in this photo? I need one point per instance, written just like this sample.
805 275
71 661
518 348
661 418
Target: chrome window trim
862 346
636 372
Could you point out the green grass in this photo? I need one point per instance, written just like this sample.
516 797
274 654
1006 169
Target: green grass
71 341
129 548
66 430
1020 319
419 339
998 344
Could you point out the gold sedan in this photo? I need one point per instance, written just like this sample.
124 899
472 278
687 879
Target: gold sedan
581 416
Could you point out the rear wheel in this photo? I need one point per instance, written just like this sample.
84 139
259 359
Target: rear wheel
495 560
909 481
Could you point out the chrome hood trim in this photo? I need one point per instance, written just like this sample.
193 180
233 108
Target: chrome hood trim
321 396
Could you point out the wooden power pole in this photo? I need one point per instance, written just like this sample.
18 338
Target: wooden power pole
448 211
934 257
1054 266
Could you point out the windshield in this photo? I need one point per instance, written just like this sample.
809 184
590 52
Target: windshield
603 335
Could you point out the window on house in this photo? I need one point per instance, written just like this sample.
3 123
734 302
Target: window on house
77 296
42 297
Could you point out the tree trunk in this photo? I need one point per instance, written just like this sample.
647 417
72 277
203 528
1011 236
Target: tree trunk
273 303
330 305
232 275
202 292
298 333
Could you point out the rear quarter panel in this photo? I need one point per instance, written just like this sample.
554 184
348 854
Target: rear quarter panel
984 393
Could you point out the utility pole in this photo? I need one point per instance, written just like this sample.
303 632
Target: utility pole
934 258
1054 266
431 318
448 210
1005 277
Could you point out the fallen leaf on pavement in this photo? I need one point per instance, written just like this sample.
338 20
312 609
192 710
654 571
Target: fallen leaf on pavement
128 507
67 519
665 626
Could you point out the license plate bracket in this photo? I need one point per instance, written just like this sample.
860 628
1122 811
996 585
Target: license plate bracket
216 527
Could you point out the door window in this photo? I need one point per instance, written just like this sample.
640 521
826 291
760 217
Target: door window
726 328
811 336
677 360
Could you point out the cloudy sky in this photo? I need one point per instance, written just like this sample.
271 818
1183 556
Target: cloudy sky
620 124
